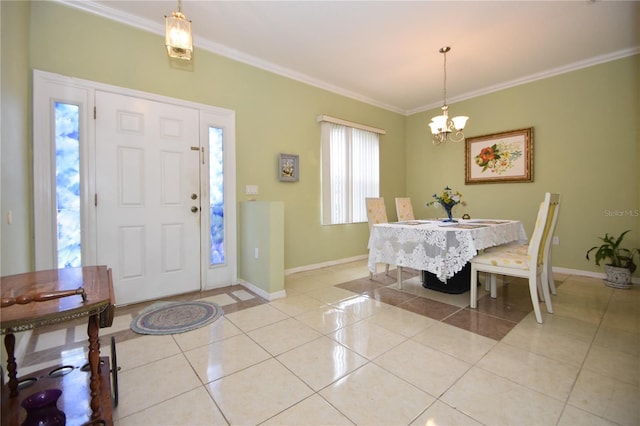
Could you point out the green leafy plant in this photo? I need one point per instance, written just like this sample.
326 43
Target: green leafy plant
611 252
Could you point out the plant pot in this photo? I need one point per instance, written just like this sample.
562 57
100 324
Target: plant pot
618 277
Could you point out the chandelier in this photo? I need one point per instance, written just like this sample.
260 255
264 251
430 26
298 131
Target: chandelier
178 35
443 127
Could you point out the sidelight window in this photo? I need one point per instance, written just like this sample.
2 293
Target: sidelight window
67 170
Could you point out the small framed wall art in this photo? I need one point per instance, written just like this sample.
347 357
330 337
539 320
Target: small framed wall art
500 157
288 168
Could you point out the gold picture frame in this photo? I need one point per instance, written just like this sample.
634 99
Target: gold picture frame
500 157
288 167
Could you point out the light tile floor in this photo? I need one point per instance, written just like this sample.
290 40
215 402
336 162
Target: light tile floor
343 350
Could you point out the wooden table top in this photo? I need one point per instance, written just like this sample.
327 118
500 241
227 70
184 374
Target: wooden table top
95 280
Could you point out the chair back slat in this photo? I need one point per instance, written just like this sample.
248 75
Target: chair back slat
541 232
376 211
404 209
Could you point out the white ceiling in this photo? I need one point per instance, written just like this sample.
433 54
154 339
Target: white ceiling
386 52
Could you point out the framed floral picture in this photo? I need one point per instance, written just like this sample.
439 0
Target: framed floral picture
500 157
288 168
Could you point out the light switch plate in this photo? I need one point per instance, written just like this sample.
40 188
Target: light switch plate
251 190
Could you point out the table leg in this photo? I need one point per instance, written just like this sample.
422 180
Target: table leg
95 384
12 367
399 273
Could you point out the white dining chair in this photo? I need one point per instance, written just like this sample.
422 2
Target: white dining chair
517 264
376 213
404 209
522 248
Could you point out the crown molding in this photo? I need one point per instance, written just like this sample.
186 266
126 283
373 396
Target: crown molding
92 7
534 77
158 28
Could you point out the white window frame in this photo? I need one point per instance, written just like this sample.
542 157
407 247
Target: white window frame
48 89
352 207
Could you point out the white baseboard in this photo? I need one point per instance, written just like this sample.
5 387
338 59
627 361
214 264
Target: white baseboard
560 270
325 264
591 274
260 292
21 348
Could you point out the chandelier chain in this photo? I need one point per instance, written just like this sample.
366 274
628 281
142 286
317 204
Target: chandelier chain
444 90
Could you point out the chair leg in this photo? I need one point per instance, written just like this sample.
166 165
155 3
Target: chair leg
545 292
533 289
552 283
494 286
541 285
473 299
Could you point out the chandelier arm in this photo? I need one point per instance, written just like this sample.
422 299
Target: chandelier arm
457 137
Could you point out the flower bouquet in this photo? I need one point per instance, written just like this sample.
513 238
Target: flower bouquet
448 200
499 157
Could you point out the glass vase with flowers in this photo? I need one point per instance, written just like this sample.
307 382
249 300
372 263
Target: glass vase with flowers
447 200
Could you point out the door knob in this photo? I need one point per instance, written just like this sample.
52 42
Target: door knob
194 209
194 196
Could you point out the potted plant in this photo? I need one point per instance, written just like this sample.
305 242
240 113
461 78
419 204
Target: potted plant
619 260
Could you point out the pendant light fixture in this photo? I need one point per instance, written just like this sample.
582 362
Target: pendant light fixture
178 37
443 128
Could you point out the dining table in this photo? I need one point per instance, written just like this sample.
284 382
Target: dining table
440 247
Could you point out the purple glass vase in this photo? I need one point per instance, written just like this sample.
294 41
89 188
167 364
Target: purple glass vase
42 409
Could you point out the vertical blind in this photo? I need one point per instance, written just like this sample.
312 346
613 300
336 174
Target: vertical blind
350 172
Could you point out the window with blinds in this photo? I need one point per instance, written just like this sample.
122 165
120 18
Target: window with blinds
350 170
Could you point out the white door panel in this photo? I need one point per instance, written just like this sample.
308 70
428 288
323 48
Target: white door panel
146 175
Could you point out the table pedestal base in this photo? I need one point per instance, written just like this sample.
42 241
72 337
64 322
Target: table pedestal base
457 284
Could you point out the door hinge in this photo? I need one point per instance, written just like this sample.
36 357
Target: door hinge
95 200
95 112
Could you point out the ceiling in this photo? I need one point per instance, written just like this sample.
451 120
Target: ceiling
386 52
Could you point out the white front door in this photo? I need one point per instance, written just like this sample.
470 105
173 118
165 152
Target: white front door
148 160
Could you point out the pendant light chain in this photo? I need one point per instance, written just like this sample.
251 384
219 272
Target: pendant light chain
444 94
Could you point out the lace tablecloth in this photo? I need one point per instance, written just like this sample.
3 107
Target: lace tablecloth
440 248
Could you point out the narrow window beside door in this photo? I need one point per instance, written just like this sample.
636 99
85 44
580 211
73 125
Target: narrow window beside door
216 197
67 139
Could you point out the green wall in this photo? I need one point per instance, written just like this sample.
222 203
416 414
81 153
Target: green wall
273 115
15 98
261 230
586 146
585 135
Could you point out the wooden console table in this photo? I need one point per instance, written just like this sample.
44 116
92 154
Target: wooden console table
96 303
